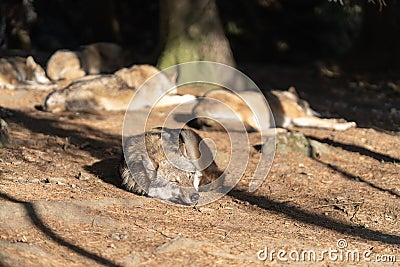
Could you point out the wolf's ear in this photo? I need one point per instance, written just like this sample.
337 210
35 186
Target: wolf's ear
292 90
30 62
173 77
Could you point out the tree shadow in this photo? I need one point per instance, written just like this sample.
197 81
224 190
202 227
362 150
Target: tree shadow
357 149
359 179
47 124
30 209
106 170
297 214
362 151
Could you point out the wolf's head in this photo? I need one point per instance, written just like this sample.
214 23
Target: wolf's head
55 102
171 184
35 72
164 189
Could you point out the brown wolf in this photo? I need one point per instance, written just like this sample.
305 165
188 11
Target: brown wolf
91 59
64 65
114 92
136 75
21 72
102 58
287 108
90 94
153 169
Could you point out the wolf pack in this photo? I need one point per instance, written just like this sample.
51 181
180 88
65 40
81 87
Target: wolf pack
96 78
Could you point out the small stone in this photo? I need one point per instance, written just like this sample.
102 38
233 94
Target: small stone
22 239
114 236
123 236
20 180
390 216
118 236
55 180
82 176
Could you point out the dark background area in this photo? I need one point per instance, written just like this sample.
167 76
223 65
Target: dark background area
270 31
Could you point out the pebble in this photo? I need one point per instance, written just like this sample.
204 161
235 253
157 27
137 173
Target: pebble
118 236
55 180
82 176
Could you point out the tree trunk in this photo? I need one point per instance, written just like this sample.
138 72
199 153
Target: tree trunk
192 30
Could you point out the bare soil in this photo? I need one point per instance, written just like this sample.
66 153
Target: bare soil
61 204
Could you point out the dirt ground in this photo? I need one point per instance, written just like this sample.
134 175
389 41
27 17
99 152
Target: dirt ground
61 205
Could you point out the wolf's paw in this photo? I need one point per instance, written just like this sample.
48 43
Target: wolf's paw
342 126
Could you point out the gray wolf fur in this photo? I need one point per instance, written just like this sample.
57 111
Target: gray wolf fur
153 170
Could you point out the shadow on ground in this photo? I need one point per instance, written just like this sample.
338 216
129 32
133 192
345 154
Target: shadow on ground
314 219
106 170
40 225
47 123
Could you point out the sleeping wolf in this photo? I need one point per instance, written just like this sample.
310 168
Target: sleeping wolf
91 59
156 163
286 106
22 72
114 92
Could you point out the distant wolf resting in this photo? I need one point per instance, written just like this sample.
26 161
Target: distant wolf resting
92 59
153 165
21 72
286 106
114 92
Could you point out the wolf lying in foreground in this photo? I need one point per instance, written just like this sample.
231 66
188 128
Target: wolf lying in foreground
22 72
91 59
153 165
114 92
286 106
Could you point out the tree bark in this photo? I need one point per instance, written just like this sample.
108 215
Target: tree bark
192 30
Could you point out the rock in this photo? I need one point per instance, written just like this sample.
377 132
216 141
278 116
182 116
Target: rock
298 143
319 148
4 137
293 142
